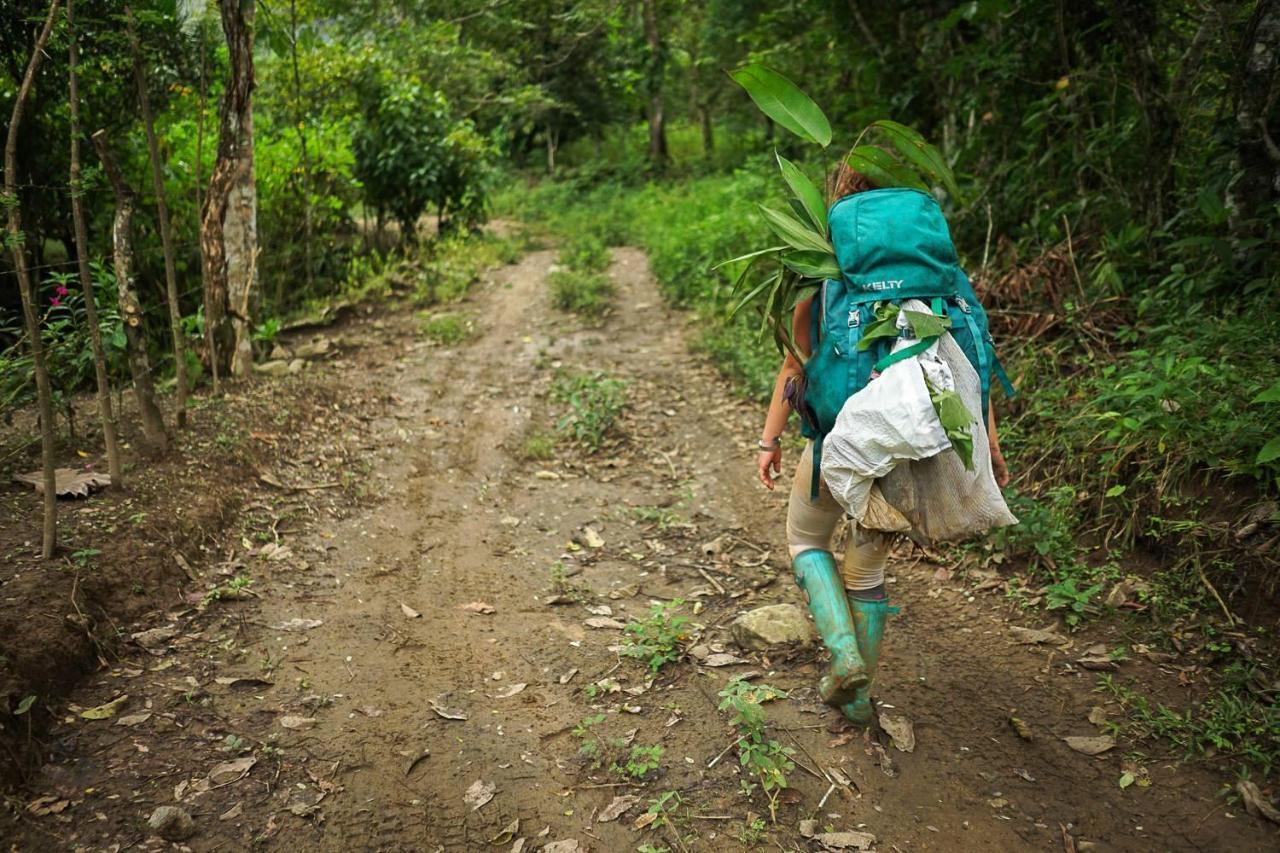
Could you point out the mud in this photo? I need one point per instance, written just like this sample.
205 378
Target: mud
346 731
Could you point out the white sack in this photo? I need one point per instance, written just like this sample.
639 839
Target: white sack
891 438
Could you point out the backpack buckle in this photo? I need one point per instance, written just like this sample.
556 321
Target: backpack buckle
855 318
964 305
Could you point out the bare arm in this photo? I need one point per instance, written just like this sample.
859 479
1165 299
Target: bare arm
769 462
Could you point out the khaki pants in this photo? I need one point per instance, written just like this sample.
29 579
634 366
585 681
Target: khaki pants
813 524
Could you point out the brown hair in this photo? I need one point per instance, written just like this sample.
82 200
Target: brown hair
845 180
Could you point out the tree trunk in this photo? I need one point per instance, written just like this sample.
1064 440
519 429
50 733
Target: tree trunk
229 231
1256 104
82 262
166 228
656 70
308 225
200 116
153 431
552 140
44 394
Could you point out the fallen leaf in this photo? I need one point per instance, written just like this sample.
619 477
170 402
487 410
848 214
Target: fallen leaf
1034 636
241 683
1255 803
291 722
645 819
479 794
901 731
479 607
508 833
155 640
67 482
233 812
518 846
511 691
600 610
605 622
997 802
1126 779
47 805
1020 726
618 807
723 659
230 771
418 759
592 538
566 677
106 710
1091 744
446 713
808 828
298 625
409 612
1098 663
546 475
134 719
851 840
1097 715
629 591
567 846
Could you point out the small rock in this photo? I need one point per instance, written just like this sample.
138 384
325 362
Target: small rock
1091 745
770 626
851 840
808 828
172 823
314 349
277 367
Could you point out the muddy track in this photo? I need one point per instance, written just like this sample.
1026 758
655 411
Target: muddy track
349 724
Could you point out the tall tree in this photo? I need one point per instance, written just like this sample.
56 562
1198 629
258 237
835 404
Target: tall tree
82 261
153 431
655 74
229 228
166 227
49 539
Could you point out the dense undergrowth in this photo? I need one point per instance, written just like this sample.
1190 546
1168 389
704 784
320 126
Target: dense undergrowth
1135 437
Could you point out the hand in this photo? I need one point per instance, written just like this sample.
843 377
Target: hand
769 465
999 467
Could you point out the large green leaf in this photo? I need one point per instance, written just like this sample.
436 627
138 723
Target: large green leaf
781 100
796 234
919 153
812 264
810 196
883 168
750 255
1270 452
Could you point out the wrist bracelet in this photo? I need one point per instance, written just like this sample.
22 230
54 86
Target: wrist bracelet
777 442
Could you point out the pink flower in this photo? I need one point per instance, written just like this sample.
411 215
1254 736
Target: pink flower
61 290
53 300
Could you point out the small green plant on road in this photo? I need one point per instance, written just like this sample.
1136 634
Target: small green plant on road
765 761
595 401
659 638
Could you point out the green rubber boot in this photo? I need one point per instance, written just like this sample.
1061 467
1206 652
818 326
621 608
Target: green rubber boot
817 575
868 623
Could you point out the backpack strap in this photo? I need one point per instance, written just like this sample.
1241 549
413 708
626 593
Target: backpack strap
1000 372
981 348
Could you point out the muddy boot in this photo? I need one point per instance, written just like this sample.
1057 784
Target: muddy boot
868 622
817 575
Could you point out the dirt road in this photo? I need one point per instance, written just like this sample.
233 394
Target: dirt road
360 690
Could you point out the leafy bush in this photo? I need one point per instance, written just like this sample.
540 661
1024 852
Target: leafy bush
411 152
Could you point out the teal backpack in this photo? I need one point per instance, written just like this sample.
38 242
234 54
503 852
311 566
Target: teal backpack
892 244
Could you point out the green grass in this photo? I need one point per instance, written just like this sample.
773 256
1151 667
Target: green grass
589 294
1235 724
446 329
